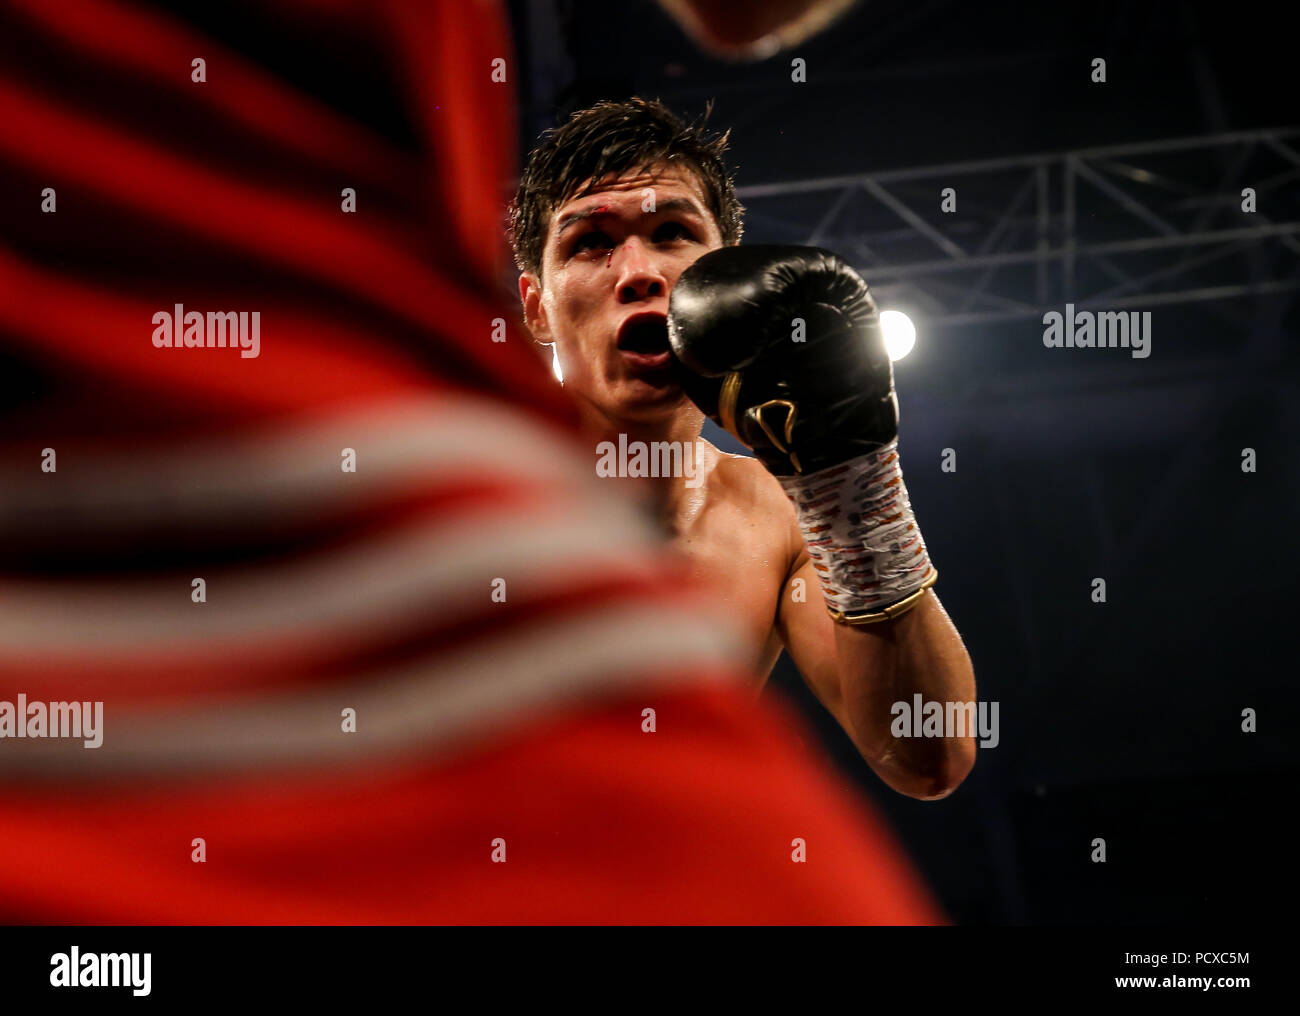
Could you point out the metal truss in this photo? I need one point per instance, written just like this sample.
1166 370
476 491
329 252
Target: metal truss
1123 226
1135 226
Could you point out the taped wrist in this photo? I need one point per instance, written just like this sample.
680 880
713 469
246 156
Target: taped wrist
861 535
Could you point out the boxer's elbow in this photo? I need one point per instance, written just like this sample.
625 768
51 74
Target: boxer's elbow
955 764
935 777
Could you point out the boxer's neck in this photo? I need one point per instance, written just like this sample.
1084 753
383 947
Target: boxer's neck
673 500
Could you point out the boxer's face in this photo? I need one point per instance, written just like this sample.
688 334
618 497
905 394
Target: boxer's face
609 258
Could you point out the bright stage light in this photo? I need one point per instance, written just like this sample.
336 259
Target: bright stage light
900 333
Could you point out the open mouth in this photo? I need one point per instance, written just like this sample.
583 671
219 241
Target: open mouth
645 337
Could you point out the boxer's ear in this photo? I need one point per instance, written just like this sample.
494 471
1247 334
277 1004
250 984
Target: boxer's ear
530 295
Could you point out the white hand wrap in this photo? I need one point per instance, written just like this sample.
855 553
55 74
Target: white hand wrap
861 535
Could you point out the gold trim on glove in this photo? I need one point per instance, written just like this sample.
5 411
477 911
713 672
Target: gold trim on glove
727 403
889 613
789 428
730 395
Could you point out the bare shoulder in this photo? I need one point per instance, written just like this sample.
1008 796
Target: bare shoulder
741 480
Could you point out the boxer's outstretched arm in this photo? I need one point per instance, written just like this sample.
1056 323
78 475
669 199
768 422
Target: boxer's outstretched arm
858 673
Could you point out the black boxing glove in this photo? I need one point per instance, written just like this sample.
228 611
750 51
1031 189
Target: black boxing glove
782 347
761 330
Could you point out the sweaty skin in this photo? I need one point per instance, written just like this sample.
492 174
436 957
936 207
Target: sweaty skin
735 531
617 252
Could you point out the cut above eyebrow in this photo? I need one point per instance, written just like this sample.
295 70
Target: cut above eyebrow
671 205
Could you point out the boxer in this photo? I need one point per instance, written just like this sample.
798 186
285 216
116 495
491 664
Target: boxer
812 544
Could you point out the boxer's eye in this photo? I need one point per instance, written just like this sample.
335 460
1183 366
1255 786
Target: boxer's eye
666 231
595 239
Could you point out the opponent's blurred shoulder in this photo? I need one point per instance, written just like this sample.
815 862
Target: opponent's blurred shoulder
756 30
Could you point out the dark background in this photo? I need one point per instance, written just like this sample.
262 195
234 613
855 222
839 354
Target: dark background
1119 720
